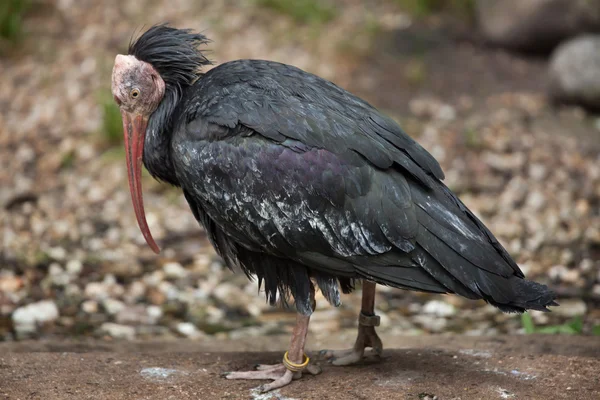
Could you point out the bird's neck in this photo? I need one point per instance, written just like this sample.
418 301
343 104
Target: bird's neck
157 145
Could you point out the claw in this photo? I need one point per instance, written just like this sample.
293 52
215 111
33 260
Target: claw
313 369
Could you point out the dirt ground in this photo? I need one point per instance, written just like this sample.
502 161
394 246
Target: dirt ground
449 367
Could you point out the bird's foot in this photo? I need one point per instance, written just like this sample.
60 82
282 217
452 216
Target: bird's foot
367 338
278 373
348 356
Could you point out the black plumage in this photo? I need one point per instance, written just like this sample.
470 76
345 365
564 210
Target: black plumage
298 181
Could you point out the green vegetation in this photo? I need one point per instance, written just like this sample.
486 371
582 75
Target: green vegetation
303 11
68 159
573 327
12 13
372 26
423 8
112 126
416 72
113 154
472 139
40 258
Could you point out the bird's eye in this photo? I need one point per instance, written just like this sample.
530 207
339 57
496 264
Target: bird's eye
135 93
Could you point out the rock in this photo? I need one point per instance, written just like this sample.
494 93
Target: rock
27 318
539 317
170 290
174 270
57 253
587 265
325 321
535 25
571 276
155 296
537 171
150 331
504 162
536 200
154 278
89 307
575 72
431 323
564 274
432 109
139 314
57 276
135 292
188 330
570 308
112 306
154 314
123 270
439 308
231 296
74 267
118 331
9 283
96 291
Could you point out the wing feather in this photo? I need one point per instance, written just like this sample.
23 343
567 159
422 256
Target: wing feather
291 166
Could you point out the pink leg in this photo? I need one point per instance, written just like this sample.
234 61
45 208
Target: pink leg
280 375
367 337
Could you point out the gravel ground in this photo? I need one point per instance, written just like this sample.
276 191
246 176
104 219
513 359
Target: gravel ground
74 261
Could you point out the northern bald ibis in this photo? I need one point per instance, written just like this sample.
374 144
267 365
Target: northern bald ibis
303 185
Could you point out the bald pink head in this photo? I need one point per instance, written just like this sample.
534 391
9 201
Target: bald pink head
136 85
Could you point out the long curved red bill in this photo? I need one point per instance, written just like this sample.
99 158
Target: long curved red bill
134 130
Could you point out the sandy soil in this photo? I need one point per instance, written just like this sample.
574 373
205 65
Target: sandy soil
449 367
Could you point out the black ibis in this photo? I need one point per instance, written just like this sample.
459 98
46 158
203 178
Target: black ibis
304 186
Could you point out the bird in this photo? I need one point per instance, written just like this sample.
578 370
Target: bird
303 186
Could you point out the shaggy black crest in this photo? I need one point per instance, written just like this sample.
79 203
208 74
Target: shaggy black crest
172 52
175 55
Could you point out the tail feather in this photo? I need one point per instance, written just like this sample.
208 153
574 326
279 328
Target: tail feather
510 294
526 295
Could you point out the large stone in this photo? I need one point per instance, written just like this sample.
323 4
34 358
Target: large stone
188 330
26 319
575 72
536 25
118 331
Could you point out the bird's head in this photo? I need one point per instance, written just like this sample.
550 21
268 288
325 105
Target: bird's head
160 64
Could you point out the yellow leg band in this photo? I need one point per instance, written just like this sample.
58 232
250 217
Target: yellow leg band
293 366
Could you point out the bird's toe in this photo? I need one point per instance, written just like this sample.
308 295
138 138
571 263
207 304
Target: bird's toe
325 354
267 367
348 359
313 369
277 383
331 355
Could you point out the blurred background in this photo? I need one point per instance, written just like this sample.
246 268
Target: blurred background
501 92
